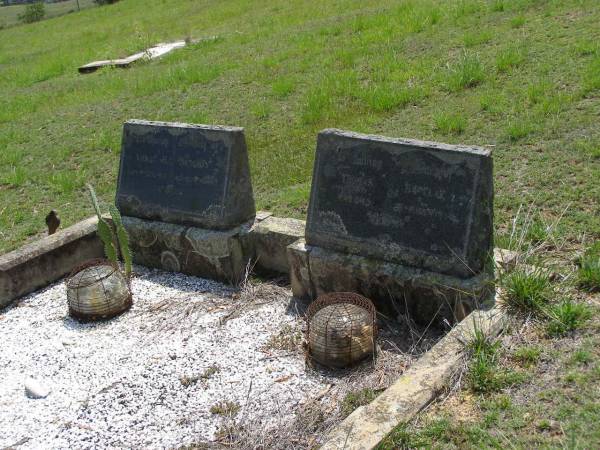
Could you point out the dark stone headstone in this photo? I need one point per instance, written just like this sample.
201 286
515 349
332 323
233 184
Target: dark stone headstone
422 204
194 175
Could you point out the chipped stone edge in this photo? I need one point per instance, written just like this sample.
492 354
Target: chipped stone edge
423 381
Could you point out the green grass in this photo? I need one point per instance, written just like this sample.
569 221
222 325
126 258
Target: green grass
454 123
588 273
509 58
582 356
526 292
554 404
484 375
538 231
528 355
465 72
9 15
566 317
353 400
522 76
473 39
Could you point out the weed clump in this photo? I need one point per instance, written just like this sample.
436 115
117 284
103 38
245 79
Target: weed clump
498 6
588 274
518 129
527 356
567 316
527 292
353 400
509 58
468 71
484 374
484 358
225 408
450 123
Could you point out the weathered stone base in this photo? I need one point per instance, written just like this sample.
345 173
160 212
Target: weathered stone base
394 288
194 251
269 240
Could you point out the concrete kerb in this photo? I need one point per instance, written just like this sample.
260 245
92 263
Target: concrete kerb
48 259
368 425
40 263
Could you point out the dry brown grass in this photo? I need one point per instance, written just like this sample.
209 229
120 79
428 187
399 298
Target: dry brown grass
398 345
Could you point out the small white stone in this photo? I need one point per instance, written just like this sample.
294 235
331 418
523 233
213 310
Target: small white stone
36 389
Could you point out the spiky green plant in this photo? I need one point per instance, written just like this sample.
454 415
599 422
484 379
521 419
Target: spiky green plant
115 240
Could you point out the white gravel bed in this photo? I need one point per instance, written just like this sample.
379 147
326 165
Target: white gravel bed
148 378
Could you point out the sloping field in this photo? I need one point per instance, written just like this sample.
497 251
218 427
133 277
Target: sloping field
9 15
521 76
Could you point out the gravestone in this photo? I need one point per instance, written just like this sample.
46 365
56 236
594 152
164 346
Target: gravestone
192 175
420 204
186 197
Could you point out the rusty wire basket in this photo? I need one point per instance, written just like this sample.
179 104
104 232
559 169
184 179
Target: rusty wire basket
341 330
97 290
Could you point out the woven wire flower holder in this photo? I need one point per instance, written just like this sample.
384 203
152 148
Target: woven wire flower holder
97 290
341 330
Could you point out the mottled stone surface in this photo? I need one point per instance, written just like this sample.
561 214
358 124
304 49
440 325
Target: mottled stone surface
213 254
42 262
422 204
393 288
194 175
270 239
368 425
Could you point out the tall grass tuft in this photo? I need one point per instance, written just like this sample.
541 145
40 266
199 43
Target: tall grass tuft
484 374
527 292
450 123
509 58
588 273
567 316
466 72
387 97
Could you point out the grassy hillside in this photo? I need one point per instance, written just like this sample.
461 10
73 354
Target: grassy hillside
521 76
9 15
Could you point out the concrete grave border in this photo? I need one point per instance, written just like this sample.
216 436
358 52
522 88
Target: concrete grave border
416 388
50 258
47 260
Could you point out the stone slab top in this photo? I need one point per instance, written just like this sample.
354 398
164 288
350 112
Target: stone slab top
186 174
423 204
184 125
416 143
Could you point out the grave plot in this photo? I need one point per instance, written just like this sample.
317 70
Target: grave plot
194 361
406 224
